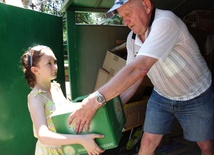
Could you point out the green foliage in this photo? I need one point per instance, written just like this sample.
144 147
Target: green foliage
49 6
98 18
52 7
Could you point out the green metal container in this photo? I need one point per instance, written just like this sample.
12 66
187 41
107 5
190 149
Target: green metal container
109 120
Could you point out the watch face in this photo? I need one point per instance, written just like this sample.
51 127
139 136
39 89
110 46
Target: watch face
100 99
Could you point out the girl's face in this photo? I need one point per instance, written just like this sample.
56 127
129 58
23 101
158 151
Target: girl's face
47 66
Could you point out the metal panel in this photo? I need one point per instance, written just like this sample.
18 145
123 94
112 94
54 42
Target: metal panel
87 46
20 28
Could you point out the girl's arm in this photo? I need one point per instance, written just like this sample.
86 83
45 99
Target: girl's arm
45 136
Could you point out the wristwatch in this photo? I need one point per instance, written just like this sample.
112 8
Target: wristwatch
100 98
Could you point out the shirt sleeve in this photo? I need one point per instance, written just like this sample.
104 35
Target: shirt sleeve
162 38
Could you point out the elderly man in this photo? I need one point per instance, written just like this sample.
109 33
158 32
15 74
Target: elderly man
161 47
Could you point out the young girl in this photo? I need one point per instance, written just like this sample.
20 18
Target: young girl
39 65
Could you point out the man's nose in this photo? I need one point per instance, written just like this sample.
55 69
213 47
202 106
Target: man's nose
125 22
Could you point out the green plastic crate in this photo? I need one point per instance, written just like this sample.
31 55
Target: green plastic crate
109 120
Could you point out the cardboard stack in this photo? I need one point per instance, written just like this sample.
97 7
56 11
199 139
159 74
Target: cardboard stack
114 61
135 113
111 66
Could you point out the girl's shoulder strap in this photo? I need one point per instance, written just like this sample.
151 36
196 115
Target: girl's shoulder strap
40 92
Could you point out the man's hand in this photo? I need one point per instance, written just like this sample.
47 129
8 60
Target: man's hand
82 116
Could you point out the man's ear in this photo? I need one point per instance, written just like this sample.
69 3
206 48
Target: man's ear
34 70
147 5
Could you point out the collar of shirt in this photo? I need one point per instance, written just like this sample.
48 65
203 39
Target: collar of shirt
137 39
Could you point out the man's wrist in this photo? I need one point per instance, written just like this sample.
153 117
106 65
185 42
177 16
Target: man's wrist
100 98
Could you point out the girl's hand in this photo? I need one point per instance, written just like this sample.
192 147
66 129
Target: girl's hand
90 145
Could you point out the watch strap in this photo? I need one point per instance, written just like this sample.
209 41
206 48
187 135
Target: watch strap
99 95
